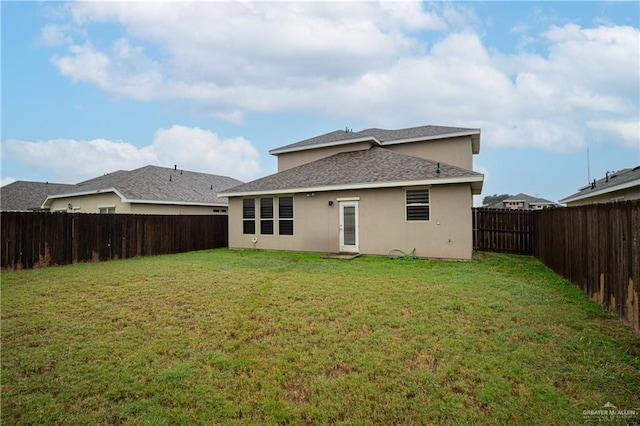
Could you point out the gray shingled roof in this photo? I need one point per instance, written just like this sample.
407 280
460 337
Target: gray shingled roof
607 183
148 184
26 196
381 135
375 165
153 183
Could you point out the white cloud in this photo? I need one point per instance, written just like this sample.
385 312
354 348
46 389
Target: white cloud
85 63
366 60
203 150
54 35
195 149
7 180
125 70
626 132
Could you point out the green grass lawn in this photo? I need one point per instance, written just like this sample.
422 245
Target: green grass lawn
248 337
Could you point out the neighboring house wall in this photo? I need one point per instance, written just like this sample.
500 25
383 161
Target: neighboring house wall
290 160
93 202
622 195
382 223
454 151
90 203
177 209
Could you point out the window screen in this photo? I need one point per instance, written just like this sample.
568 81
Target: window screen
266 216
285 214
248 216
417 201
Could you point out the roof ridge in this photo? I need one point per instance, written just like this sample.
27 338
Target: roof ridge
408 134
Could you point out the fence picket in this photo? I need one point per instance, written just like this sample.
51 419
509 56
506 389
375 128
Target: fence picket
41 239
596 247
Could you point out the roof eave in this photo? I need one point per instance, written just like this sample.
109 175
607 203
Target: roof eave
578 197
476 184
285 150
47 203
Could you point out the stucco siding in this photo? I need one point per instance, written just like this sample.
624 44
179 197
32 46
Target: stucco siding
92 203
293 159
622 195
382 223
175 209
454 151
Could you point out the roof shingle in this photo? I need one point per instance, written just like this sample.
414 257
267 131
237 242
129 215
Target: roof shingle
153 183
27 196
148 184
381 135
375 165
606 184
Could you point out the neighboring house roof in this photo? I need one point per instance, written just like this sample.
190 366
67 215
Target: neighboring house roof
528 201
155 185
27 196
616 181
372 168
382 137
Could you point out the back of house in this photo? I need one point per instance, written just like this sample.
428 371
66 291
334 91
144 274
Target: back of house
369 192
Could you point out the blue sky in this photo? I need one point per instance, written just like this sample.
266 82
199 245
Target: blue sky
93 87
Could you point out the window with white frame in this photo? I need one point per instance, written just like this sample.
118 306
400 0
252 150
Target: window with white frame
266 216
248 216
285 215
417 204
107 210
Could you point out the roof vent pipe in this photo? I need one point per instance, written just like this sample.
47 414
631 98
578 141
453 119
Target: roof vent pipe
438 169
175 167
169 178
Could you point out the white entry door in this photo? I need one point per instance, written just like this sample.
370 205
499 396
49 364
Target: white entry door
349 226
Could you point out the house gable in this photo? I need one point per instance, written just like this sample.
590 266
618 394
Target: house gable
453 145
147 190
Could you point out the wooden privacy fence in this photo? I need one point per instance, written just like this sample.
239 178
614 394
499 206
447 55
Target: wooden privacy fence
503 230
596 247
41 239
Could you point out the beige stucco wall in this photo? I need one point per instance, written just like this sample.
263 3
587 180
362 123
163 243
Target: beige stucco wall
382 224
175 209
622 195
454 151
297 158
91 204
